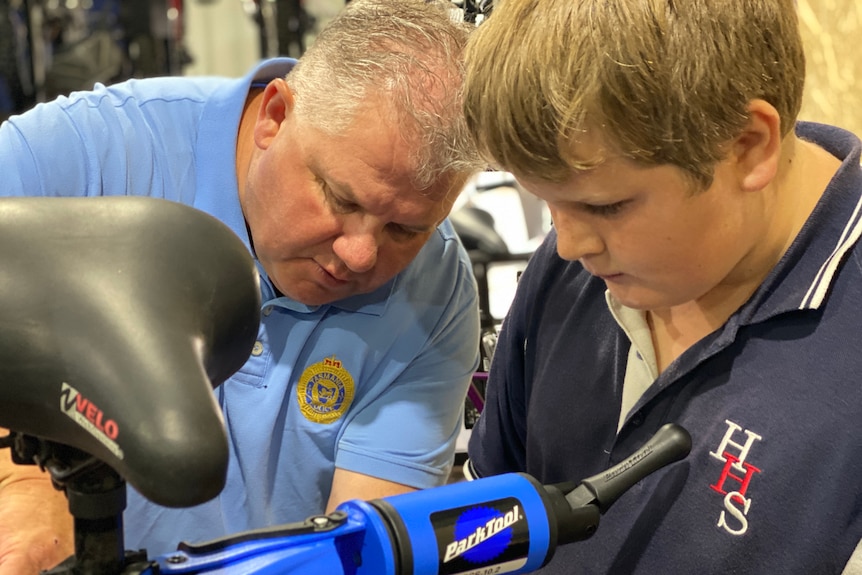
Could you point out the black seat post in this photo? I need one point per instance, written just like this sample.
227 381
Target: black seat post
97 501
96 496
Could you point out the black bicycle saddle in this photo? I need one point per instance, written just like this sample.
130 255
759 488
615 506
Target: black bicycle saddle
118 316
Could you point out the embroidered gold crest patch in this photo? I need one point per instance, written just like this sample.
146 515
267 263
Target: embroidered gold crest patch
325 391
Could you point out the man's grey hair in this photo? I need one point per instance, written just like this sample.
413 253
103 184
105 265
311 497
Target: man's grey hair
405 53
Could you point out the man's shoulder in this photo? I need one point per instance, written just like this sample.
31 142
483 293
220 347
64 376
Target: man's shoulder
123 109
142 91
439 277
441 260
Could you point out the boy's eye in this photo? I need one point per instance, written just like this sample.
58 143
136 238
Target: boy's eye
606 209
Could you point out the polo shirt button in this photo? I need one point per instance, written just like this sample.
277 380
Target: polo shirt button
637 419
267 310
257 349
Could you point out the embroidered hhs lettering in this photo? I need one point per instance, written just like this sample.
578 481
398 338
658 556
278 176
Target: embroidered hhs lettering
735 477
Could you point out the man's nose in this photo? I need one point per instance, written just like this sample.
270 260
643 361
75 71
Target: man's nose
576 238
358 244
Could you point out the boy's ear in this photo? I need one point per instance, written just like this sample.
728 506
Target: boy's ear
757 149
276 105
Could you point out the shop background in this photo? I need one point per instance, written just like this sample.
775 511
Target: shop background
832 32
222 40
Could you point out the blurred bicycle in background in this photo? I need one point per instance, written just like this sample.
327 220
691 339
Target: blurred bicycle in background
53 47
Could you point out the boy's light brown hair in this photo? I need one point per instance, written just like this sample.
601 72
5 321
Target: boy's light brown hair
662 81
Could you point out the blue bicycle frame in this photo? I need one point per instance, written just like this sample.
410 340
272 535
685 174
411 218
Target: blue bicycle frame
504 524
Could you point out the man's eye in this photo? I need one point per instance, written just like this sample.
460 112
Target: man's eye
337 204
400 233
341 206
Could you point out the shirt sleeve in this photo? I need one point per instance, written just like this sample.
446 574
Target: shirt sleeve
498 440
133 138
43 155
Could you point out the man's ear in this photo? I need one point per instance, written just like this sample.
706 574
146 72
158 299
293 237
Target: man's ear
276 105
757 149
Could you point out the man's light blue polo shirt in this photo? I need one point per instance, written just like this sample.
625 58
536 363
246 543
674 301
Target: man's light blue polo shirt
373 384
